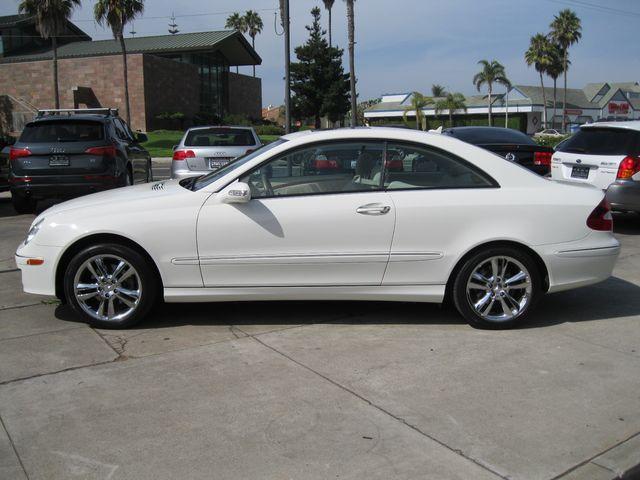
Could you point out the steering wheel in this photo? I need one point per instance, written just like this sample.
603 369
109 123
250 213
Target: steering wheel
265 182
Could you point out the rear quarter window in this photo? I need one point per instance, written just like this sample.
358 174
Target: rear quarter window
62 131
602 141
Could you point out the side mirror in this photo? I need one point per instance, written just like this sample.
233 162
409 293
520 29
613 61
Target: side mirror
237 192
142 137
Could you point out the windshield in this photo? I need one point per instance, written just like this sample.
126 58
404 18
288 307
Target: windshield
490 135
208 179
62 131
219 137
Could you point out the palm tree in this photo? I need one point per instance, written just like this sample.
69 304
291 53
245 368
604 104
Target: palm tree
492 72
51 19
438 90
451 102
352 64
566 30
235 21
418 103
539 55
554 70
116 14
328 4
254 25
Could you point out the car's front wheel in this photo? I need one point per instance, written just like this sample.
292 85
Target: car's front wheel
110 285
497 287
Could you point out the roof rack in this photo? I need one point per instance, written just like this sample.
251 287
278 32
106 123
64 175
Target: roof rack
110 112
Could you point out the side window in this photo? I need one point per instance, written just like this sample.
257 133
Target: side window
409 167
320 169
121 131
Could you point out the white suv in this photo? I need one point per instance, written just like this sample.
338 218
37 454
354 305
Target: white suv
605 155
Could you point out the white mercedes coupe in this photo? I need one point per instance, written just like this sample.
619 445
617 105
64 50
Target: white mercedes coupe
353 214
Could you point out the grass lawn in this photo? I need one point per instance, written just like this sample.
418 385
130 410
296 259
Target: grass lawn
161 142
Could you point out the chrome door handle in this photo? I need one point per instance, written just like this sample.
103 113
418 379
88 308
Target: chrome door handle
373 209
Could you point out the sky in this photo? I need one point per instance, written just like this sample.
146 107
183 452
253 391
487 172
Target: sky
408 45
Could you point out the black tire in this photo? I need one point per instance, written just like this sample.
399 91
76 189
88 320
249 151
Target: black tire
463 302
23 205
146 274
149 172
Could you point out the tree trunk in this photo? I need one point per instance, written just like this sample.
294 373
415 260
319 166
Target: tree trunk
417 119
544 102
253 45
564 97
126 80
330 44
352 63
450 118
490 92
56 93
553 119
316 122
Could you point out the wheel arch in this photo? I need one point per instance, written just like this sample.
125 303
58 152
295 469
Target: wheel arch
94 239
544 271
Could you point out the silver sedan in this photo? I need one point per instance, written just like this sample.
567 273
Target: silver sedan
204 149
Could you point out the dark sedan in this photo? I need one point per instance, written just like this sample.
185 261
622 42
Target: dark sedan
511 144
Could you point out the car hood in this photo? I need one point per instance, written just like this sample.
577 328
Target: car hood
119 196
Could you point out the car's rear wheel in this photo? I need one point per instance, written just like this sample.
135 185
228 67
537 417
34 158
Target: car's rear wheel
497 287
110 285
23 205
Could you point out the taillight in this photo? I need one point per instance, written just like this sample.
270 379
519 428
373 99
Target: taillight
601 219
108 151
394 165
18 153
325 164
183 154
542 158
628 168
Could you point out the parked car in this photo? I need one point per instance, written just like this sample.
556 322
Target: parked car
454 221
510 144
67 153
606 155
549 132
204 149
4 168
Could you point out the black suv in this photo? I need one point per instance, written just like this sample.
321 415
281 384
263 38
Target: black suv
68 153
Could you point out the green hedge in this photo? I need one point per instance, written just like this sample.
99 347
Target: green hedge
549 141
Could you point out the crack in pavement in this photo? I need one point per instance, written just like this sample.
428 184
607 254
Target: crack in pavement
383 410
13 446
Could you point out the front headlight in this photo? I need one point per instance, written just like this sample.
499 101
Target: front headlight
33 231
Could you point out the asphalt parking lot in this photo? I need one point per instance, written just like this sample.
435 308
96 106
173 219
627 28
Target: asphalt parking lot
322 389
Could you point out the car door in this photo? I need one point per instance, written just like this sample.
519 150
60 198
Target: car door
441 201
138 156
305 225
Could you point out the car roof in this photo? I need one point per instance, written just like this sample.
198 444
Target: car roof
628 125
205 127
479 129
86 116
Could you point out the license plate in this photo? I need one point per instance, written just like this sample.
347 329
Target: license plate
580 172
215 163
58 161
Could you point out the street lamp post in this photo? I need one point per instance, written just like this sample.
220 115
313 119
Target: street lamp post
287 75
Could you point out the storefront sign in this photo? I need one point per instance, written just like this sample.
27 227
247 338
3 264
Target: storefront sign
619 108
574 111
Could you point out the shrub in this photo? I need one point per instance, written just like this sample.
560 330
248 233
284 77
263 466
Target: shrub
549 141
269 130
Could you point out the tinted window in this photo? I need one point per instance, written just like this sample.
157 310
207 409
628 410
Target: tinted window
62 131
488 135
409 167
238 162
324 168
601 141
219 137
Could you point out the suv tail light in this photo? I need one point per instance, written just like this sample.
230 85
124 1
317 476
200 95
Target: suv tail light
18 153
628 168
183 154
108 151
394 165
542 158
323 164
601 219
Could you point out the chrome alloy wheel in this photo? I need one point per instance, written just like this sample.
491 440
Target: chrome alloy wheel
107 288
499 289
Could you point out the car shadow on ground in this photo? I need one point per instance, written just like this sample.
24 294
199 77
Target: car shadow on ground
7 210
626 223
614 298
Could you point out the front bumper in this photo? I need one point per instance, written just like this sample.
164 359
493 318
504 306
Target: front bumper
38 279
624 196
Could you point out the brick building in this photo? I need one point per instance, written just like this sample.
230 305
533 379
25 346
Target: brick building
184 73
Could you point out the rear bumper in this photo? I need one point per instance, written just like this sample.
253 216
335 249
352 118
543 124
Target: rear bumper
61 187
179 174
624 196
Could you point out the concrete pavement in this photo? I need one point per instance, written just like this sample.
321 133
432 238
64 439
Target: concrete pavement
321 389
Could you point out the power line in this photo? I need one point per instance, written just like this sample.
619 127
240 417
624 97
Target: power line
596 8
165 17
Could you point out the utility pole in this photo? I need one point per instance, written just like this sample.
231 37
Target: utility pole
506 112
287 76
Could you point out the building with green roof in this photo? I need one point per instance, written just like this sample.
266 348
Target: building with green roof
185 76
